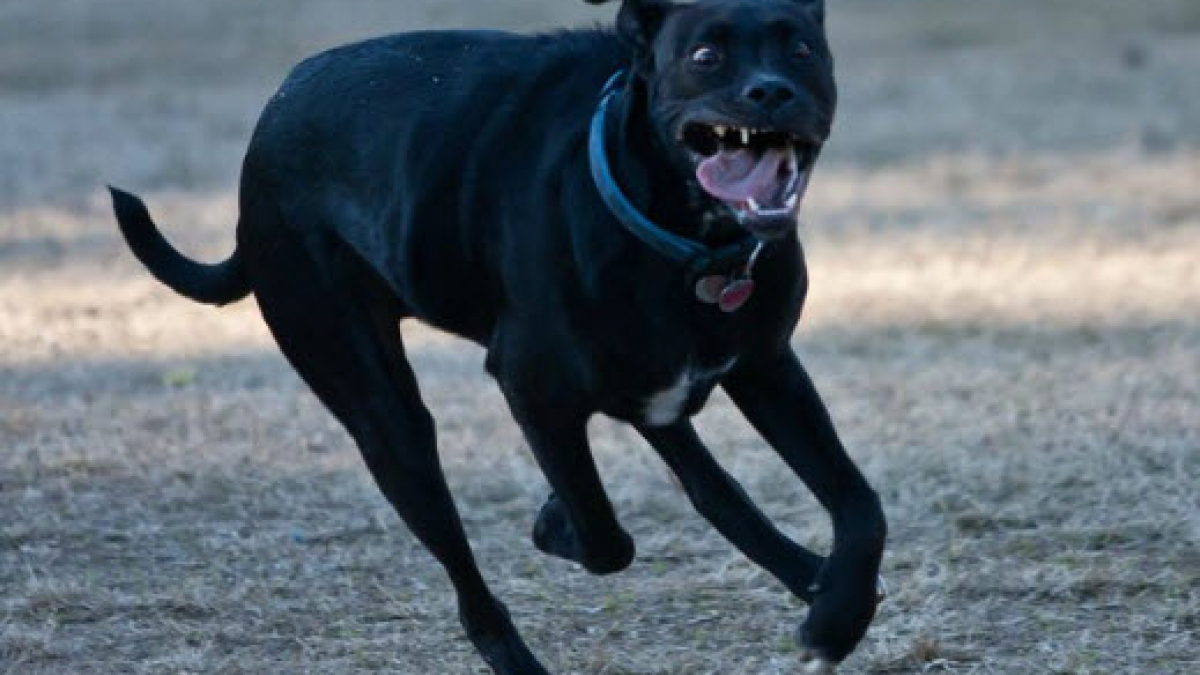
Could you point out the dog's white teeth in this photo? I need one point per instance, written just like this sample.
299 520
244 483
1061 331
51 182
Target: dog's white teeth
745 136
720 131
791 201
753 205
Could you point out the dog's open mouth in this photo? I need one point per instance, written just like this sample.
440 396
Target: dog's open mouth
760 174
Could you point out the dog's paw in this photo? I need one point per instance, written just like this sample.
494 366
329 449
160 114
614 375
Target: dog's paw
837 620
553 534
812 663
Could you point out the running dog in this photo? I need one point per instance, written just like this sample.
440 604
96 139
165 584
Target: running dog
612 214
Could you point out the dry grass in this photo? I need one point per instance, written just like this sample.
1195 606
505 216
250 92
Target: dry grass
1005 319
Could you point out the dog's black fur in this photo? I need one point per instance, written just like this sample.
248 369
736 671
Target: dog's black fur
443 176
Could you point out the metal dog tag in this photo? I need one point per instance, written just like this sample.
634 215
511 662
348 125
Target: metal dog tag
708 289
735 294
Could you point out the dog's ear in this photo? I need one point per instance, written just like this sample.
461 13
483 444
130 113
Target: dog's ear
816 8
638 21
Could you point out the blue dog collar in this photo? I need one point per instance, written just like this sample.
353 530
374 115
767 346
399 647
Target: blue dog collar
698 257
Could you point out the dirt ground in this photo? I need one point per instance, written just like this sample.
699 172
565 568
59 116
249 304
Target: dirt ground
1005 320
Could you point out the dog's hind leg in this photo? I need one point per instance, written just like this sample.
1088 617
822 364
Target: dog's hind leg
338 326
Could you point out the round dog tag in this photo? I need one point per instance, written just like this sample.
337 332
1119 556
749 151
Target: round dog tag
734 295
708 289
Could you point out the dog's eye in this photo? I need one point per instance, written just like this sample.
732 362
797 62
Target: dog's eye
802 50
706 56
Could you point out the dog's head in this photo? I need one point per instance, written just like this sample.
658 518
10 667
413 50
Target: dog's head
742 91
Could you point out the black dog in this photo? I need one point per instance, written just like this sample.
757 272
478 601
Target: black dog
621 254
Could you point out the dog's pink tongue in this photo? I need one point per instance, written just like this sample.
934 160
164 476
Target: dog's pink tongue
739 175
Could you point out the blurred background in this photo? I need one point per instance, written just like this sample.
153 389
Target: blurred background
1004 241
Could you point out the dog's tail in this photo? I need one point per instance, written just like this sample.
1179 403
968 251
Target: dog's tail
216 284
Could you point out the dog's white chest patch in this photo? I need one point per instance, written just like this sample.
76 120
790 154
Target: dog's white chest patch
664 407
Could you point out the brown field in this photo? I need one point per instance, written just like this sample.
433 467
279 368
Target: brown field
1005 320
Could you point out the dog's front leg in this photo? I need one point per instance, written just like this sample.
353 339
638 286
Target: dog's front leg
722 501
778 398
577 522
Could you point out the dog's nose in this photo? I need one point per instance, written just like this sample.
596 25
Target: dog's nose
768 91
